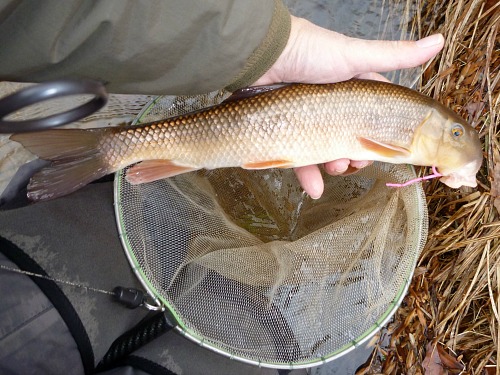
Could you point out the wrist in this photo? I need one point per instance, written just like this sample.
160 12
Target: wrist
279 70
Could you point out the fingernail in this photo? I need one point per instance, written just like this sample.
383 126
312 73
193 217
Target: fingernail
362 164
430 41
315 192
341 169
340 166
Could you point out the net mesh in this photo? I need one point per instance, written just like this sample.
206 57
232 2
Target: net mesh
253 268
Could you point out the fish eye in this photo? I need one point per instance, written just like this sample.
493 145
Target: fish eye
457 130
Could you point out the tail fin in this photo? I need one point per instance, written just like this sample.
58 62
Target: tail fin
75 156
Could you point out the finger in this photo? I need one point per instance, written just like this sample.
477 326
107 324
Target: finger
350 170
337 167
358 164
344 167
384 56
311 180
355 166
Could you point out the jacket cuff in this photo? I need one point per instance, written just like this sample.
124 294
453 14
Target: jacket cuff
261 60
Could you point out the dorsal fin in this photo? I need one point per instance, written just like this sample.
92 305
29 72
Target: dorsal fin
247 92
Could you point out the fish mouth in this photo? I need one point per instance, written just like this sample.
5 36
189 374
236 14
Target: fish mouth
465 176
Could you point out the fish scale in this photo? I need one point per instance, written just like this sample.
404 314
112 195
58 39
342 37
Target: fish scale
294 125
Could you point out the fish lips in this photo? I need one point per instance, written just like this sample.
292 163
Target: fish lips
465 176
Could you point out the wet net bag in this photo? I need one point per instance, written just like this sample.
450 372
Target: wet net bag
253 268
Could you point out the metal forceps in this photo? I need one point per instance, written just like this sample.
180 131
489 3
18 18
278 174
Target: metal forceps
49 90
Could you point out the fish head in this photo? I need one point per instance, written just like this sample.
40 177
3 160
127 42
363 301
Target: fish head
446 141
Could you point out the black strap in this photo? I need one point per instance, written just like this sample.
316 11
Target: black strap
144 332
56 297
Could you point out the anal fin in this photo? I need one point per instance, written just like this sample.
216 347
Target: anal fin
268 164
152 170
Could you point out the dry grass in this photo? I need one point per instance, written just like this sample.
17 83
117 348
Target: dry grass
449 322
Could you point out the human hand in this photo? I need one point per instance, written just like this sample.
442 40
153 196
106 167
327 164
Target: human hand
317 55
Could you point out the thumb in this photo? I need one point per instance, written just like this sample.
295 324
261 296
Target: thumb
317 55
365 56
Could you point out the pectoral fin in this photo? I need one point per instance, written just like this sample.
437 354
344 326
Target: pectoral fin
268 164
384 149
152 170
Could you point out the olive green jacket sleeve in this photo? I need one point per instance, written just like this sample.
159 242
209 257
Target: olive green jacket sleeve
143 47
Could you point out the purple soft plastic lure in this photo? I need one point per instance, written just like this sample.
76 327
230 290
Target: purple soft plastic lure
435 174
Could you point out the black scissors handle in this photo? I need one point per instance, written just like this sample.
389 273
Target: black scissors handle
49 90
